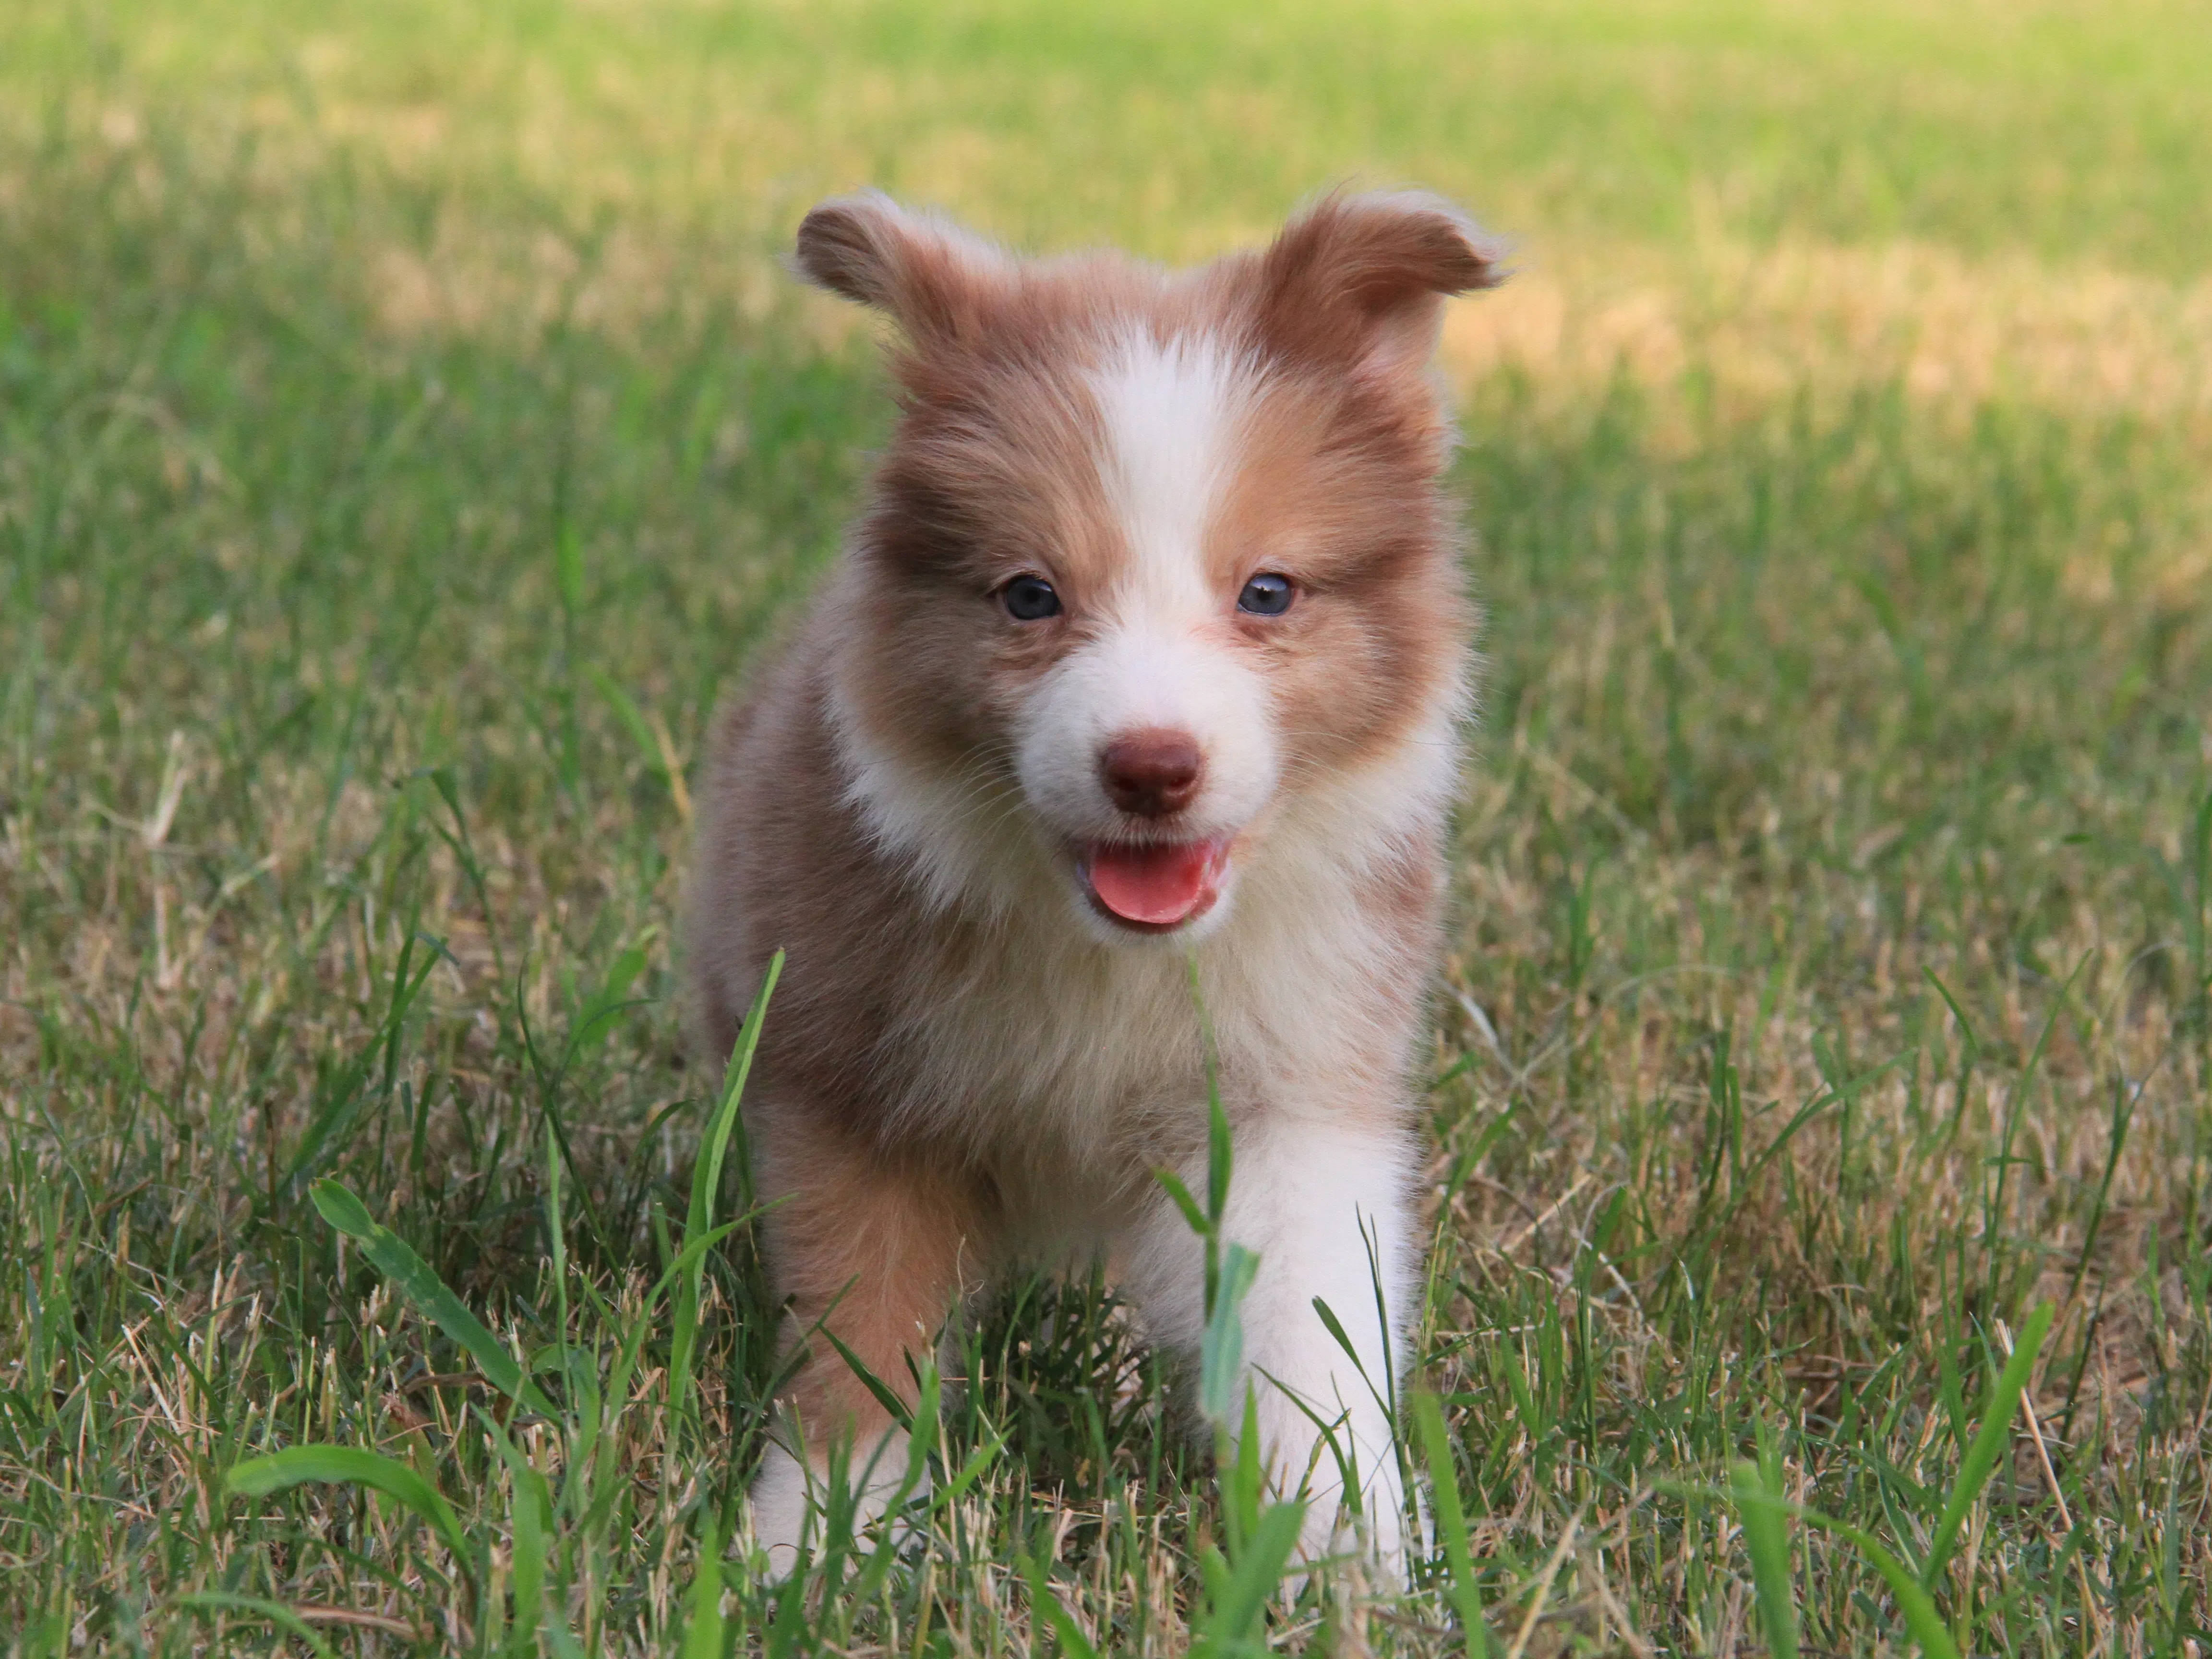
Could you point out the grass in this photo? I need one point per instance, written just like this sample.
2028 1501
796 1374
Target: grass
405 439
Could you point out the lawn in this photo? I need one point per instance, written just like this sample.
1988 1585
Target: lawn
407 436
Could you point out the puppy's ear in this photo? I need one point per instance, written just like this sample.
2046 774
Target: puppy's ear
931 276
1363 278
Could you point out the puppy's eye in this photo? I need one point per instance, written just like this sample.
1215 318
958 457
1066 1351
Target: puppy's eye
1266 595
1029 599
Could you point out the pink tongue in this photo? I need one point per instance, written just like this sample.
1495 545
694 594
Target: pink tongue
1160 885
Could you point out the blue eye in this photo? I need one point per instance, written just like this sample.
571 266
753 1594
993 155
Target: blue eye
1029 599
1266 595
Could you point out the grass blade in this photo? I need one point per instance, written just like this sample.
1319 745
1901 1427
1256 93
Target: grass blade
1993 1212
921 1437
1768 1544
632 718
1045 1607
1172 1184
1334 1327
625 1365
1232 1625
1219 1153
716 1145
531 1519
275 1612
568 568
258 1477
1221 1348
1919 1609
1989 1441
595 1020
705 1182
1452 1522
900 1413
703 1629
1920 1615
414 1279
1921 1618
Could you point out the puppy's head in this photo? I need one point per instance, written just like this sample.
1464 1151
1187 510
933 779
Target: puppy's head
1150 556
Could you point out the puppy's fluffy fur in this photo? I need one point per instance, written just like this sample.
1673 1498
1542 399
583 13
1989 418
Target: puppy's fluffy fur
1048 734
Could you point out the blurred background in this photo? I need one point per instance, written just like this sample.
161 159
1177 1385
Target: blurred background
332 253
407 434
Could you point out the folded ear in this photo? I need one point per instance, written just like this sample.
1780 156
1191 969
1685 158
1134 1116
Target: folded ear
928 274
1363 278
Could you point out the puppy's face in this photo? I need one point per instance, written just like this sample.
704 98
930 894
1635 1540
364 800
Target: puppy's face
1149 556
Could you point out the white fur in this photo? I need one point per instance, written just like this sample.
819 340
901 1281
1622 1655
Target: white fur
960 835
1169 417
1088 1094
1170 411
1322 1203
789 1496
1150 667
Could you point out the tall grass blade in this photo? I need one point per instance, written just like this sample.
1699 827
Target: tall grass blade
1221 1348
921 1436
1218 1145
595 1020
884 1395
1768 1543
1386 1398
414 1279
1236 1624
706 1184
632 718
1242 1477
1920 1615
463 848
625 1365
1989 1444
703 1629
351 1093
1045 1607
258 1477
1921 1618
1451 1523
1172 1184
2015 1107
530 1518
568 568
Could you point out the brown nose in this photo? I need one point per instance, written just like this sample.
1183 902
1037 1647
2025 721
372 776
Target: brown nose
1151 773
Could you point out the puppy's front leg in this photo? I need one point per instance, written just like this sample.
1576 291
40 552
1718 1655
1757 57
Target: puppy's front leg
870 1248
1323 1205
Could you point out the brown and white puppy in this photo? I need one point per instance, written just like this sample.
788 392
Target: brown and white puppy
1150 645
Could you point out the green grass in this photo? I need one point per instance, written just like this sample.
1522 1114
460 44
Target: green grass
405 440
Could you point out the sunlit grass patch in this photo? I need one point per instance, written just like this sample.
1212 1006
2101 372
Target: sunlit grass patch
1748 327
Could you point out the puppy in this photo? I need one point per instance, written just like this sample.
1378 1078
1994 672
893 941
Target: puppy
1149 646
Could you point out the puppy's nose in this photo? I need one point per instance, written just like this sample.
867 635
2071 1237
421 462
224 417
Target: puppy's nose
1152 773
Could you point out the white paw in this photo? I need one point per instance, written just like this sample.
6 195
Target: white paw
783 1511
1385 1524
1378 1536
789 1498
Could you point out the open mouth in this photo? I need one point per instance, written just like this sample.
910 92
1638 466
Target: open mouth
1155 888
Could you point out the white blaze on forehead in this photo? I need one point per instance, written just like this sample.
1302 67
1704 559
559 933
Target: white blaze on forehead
1152 654
1169 410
